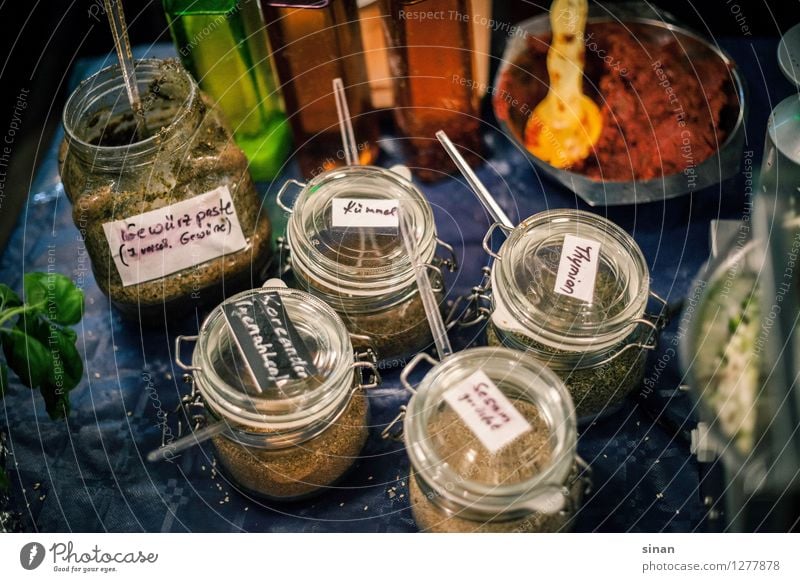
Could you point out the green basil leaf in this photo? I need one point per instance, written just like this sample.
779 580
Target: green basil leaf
3 379
27 356
66 365
63 301
56 401
8 298
35 291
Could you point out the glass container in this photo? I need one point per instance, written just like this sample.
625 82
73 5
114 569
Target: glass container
166 208
533 483
599 347
364 273
437 80
223 43
314 42
297 436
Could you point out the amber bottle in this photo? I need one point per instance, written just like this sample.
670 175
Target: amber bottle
437 84
312 43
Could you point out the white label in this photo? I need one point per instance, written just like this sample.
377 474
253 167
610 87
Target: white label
365 212
160 242
577 269
486 411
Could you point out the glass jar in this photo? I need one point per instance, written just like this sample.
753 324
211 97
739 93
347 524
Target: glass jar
313 42
166 208
223 43
364 273
598 347
436 71
296 437
534 483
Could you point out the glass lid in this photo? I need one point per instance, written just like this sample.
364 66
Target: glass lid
571 274
531 434
344 230
273 358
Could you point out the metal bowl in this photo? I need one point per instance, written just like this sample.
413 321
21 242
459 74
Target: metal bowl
715 169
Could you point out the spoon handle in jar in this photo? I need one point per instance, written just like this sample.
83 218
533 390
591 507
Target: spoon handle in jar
485 197
429 302
195 438
345 123
119 30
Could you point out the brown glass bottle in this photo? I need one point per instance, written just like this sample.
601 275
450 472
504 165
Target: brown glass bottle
312 43
436 86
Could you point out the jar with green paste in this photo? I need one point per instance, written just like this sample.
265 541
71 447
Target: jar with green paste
162 199
571 288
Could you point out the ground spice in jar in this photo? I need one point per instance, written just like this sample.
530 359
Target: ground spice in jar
302 469
359 266
597 342
525 457
189 152
399 331
595 389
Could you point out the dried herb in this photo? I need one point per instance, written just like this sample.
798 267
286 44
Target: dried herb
595 389
300 470
523 459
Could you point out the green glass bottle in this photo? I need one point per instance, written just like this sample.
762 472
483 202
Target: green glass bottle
223 43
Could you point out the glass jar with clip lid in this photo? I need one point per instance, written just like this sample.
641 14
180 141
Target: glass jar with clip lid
277 368
491 436
572 288
344 246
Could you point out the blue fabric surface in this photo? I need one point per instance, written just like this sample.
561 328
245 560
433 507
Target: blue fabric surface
89 473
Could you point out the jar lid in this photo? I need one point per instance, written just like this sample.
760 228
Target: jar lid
224 374
570 277
446 448
358 260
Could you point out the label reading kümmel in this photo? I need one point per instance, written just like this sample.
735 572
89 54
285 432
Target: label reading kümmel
577 268
161 242
272 348
486 411
365 213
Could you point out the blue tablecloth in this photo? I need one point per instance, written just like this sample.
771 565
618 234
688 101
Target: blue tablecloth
88 473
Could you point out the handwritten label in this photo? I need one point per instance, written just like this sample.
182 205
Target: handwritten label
272 348
577 268
486 411
365 212
160 242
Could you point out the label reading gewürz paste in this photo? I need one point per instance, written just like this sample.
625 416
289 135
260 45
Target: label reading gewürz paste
161 242
272 348
486 411
577 268
365 212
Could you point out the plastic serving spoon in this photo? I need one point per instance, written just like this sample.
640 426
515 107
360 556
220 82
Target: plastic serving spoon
566 123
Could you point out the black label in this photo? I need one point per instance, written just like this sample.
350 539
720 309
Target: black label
267 339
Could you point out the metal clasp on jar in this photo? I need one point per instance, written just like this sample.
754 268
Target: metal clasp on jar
390 432
474 307
654 322
279 196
